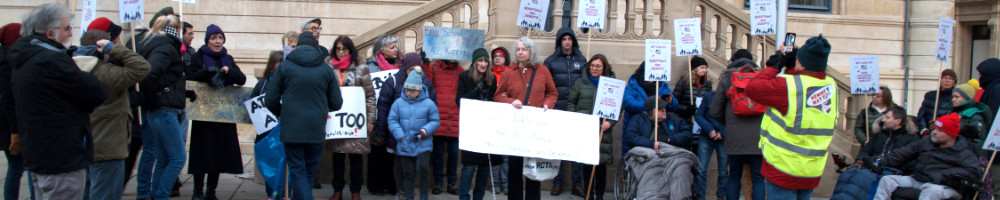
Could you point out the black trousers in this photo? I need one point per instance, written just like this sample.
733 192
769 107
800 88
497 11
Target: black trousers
380 171
515 181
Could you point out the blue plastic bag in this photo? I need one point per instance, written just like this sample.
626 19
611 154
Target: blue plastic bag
270 159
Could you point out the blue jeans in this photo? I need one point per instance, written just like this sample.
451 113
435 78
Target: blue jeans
15 169
106 179
705 148
576 173
440 143
302 159
736 175
775 192
482 176
163 146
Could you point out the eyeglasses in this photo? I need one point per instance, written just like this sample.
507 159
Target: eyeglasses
68 28
315 28
340 49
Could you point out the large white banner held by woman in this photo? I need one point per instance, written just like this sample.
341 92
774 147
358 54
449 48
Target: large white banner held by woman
499 128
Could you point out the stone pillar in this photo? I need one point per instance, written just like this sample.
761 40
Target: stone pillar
925 15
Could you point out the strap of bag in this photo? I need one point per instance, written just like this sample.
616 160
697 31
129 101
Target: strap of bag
531 82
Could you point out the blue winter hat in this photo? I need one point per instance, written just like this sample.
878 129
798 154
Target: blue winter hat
415 80
814 54
212 30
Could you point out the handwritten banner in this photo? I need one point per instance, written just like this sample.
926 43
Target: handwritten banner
533 13
452 43
763 17
379 79
608 103
592 14
687 34
945 29
657 60
349 121
864 74
87 14
224 104
498 128
130 10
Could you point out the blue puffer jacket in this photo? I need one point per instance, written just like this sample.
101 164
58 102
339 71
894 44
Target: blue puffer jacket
638 131
407 117
565 68
391 91
854 184
635 99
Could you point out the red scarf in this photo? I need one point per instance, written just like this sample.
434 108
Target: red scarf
383 64
341 64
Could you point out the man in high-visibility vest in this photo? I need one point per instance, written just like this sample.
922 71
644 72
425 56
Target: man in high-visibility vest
798 124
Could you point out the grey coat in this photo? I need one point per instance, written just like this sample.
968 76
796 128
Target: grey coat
671 166
742 132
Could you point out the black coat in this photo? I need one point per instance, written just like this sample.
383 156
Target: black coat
469 89
989 78
215 147
164 86
565 68
886 141
302 90
55 99
8 121
682 91
926 113
938 165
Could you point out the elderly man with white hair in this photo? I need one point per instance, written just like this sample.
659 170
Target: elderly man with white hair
54 100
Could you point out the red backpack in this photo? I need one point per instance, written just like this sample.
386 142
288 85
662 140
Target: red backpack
742 105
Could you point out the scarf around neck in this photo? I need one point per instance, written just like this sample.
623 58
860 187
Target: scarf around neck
209 58
384 64
594 80
342 64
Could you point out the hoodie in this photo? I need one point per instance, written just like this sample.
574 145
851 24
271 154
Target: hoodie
497 70
407 116
565 68
989 79
310 89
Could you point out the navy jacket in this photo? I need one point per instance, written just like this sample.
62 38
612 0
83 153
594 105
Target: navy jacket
301 93
565 68
926 114
707 123
989 78
676 130
391 91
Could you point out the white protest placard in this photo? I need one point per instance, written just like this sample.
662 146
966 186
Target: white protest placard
864 74
351 120
591 14
498 128
608 102
452 43
533 13
763 17
130 10
992 141
695 128
657 60
185 1
945 29
262 118
87 14
379 79
687 35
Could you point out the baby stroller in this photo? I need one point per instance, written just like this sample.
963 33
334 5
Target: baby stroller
665 174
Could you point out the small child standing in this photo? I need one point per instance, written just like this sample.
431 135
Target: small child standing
411 118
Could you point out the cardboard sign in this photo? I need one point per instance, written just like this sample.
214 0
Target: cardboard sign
533 13
763 17
992 141
351 120
130 10
608 102
379 79
87 14
225 104
262 118
687 34
864 75
944 39
498 128
591 14
452 43
657 60
185 1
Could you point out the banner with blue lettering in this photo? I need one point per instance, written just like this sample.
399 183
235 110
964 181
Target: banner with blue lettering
452 43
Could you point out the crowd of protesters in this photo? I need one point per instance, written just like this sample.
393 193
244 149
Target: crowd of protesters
71 117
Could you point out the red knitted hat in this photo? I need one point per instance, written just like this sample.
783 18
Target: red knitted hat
949 124
105 25
9 33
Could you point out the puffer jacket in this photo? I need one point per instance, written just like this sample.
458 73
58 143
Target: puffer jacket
565 68
635 97
111 121
989 78
859 126
469 89
682 91
854 184
164 86
673 162
886 141
391 90
976 120
582 97
925 114
407 117
444 77
301 93
673 130
742 132
357 76
938 165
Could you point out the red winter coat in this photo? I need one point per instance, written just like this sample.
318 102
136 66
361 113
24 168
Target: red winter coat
444 76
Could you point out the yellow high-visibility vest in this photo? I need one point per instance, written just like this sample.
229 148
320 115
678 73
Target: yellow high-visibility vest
795 143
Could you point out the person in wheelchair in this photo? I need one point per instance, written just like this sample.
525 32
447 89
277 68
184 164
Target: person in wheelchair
892 131
944 160
672 129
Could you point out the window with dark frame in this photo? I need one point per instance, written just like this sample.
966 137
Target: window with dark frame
803 5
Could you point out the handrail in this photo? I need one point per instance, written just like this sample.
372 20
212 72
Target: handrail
415 20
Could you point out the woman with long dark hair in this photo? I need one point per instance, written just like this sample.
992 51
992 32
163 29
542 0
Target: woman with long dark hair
351 72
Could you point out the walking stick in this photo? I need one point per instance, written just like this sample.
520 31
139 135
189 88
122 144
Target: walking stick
490 160
588 43
135 49
287 195
590 185
691 84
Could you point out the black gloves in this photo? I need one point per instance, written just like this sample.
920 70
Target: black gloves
781 60
774 60
190 94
